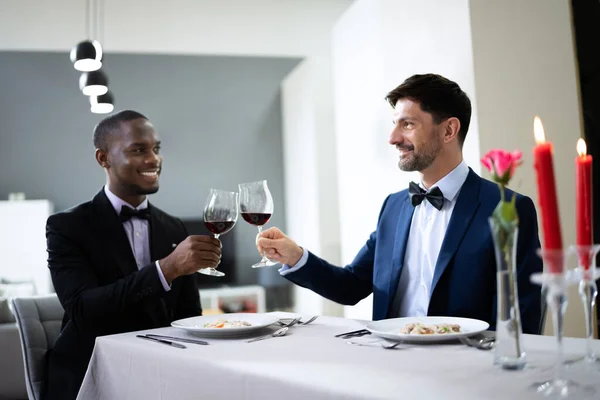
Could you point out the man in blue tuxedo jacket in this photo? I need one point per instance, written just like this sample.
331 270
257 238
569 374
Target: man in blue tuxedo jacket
432 252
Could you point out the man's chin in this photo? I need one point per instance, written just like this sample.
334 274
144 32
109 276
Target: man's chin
412 164
406 166
147 190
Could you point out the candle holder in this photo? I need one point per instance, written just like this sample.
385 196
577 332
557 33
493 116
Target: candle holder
555 282
587 274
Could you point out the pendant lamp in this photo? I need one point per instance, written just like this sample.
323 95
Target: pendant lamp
102 104
94 83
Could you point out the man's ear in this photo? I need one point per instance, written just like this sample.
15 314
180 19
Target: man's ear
452 129
102 158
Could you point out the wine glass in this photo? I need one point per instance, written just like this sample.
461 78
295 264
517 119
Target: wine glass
220 215
555 281
256 206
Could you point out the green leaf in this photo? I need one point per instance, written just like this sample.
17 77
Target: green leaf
506 214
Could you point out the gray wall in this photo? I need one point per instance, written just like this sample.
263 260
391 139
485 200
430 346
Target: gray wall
219 119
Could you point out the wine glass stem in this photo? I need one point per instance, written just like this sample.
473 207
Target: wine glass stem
588 292
264 258
557 300
216 235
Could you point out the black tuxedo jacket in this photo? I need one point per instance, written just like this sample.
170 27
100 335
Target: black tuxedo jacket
101 289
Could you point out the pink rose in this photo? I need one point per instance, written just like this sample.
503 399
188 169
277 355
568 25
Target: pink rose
502 164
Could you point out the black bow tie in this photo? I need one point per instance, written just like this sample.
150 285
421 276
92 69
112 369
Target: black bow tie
128 212
434 196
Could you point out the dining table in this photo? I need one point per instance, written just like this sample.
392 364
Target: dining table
310 362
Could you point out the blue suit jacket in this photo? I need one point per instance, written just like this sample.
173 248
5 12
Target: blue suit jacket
464 280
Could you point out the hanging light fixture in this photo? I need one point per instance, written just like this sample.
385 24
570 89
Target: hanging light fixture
94 83
87 55
102 104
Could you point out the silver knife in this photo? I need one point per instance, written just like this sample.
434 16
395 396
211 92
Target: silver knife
167 342
177 339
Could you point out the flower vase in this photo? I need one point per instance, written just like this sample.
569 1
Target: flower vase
509 352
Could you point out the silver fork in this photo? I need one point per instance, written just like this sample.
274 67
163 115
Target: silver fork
291 323
481 344
384 343
309 321
390 345
279 332
296 321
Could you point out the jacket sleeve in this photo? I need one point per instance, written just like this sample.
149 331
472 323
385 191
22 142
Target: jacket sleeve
188 301
347 285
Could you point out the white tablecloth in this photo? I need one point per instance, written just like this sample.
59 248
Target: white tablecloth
310 363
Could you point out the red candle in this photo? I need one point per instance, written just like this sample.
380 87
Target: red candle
548 201
583 164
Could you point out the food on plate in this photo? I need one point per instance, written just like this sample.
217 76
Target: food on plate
418 328
223 323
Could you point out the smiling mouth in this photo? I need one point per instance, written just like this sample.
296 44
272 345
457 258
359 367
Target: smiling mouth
150 174
403 152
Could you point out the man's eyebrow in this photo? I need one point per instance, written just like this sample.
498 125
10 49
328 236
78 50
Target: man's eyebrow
142 144
404 119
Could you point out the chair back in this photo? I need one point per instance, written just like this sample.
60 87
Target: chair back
39 320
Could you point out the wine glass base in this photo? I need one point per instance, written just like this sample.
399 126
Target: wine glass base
267 263
561 388
211 272
588 364
593 361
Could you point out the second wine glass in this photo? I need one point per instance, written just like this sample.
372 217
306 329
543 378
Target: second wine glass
220 215
256 206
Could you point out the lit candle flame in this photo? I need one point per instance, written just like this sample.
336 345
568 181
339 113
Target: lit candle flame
581 147
538 130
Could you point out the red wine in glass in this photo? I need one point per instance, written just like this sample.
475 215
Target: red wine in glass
220 215
219 227
256 207
257 219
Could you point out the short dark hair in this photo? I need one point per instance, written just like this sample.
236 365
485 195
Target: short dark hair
112 123
439 96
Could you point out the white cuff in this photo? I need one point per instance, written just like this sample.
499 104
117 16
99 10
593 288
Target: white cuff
165 285
286 269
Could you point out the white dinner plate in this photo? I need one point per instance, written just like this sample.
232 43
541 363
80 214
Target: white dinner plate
390 328
195 325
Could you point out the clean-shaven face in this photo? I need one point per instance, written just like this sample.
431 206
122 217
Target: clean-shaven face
134 159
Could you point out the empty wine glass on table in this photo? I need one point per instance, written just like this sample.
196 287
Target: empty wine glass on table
555 282
220 215
256 206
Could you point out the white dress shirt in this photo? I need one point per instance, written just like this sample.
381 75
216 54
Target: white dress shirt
138 233
427 231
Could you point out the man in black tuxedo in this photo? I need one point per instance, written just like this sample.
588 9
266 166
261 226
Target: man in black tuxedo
118 263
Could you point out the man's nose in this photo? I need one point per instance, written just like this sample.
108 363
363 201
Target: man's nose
154 158
395 136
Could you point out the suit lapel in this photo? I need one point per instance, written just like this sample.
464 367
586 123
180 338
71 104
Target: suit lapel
402 230
111 229
160 245
462 215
